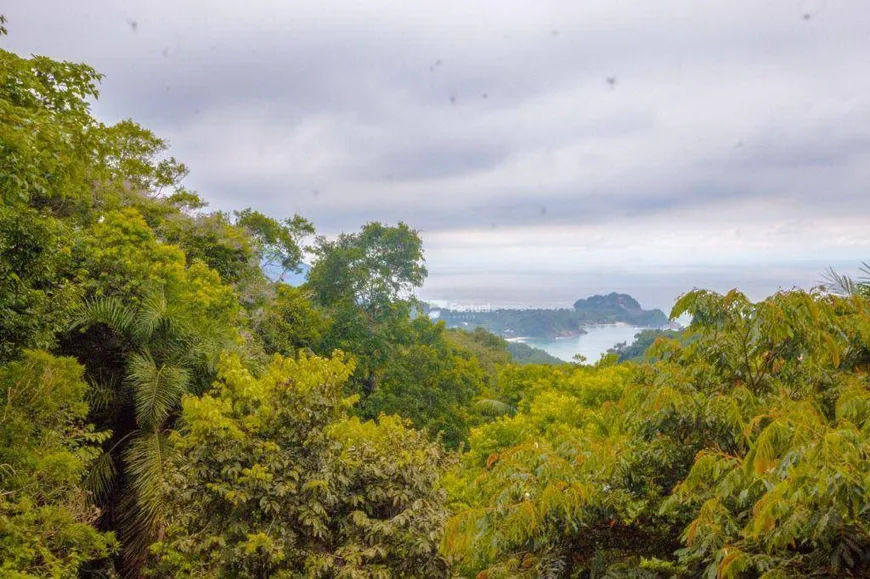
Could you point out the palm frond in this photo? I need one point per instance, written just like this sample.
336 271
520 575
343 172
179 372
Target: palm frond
864 280
99 395
107 311
493 407
206 351
101 477
156 388
151 315
839 284
146 459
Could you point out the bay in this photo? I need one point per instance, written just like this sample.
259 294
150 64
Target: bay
592 344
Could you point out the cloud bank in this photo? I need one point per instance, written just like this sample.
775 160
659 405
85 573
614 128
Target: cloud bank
641 144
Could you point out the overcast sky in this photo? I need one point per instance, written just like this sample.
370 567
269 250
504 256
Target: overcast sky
546 149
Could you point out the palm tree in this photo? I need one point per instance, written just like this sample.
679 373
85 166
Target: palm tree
141 360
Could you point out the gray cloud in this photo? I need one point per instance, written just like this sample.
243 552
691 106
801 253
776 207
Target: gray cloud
483 123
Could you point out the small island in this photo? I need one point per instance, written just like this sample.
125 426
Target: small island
613 308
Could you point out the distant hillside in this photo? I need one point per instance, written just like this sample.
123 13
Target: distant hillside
636 351
611 302
525 354
541 323
493 352
615 307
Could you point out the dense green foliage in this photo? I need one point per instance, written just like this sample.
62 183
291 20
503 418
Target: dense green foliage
543 323
290 322
272 479
430 381
643 341
167 409
107 258
493 351
36 289
741 453
45 450
525 354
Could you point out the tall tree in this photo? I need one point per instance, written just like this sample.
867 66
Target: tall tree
366 282
161 355
50 140
372 269
279 241
151 330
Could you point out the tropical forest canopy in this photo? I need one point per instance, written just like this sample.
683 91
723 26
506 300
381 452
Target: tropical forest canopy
170 411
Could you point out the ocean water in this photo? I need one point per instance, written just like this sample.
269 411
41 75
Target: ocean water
592 344
652 287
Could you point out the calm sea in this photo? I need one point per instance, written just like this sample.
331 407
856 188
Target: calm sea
596 342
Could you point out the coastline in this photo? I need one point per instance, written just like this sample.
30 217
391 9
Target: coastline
582 331
598 339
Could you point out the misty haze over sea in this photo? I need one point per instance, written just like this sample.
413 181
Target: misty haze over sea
652 287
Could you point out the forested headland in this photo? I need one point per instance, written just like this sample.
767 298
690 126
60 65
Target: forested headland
613 308
167 410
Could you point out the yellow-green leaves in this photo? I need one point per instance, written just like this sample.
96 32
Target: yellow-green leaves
46 129
853 405
748 442
270 466
45 452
